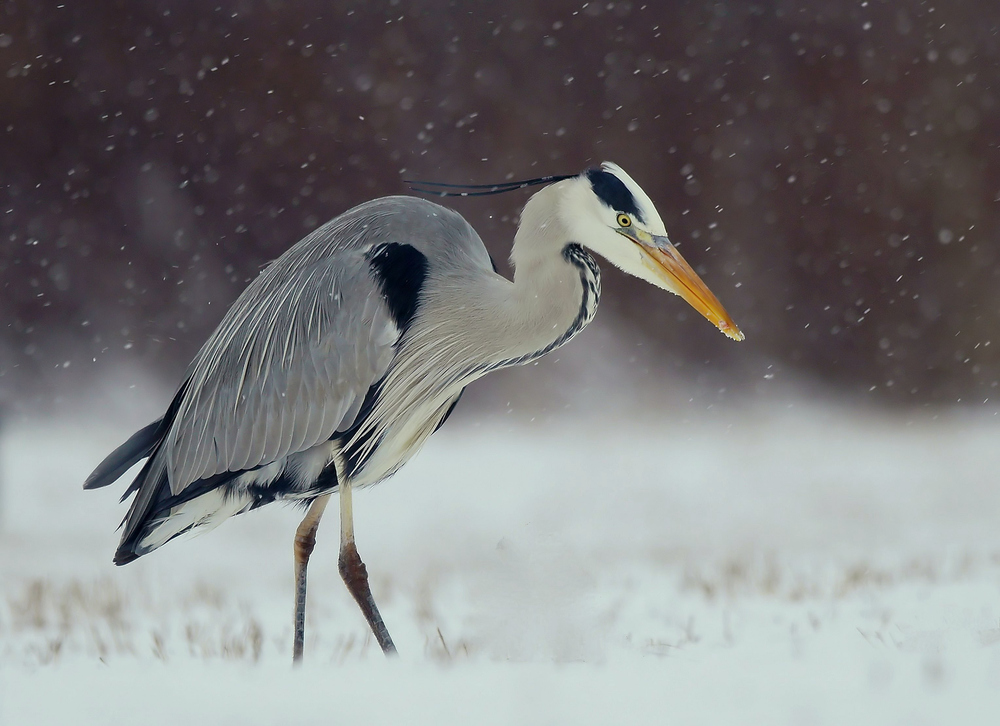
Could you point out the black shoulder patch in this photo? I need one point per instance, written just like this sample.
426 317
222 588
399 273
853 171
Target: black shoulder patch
400 271
612 191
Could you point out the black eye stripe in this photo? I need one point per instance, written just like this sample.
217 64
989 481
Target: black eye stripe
612 191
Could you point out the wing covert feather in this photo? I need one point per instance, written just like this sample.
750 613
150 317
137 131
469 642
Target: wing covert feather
288 366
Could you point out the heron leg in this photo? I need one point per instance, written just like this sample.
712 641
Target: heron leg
305 540
355 574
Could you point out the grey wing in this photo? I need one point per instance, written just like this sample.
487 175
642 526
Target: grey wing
289 366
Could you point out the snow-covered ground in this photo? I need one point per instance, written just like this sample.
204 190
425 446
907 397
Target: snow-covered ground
802 565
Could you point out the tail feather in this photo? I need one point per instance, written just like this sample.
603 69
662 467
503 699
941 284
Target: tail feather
149 486
139 446
164 522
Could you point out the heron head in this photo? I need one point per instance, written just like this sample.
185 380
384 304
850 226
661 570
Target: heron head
606 211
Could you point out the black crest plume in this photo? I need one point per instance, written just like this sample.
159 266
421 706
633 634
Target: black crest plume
480 190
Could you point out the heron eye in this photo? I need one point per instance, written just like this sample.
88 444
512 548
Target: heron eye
624 220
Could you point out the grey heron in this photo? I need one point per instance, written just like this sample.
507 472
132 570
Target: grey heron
346 353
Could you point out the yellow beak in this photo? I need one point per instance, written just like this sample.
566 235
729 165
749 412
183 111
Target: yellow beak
666 263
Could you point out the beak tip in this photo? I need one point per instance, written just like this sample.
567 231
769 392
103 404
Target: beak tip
731 331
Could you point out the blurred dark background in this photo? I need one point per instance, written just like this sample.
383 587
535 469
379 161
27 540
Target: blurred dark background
830 167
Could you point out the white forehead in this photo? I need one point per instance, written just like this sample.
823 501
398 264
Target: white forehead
642 200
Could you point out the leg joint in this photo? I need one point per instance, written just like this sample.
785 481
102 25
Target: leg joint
305 543
352 569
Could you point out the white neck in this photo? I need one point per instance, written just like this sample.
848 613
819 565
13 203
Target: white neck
545 300
502 321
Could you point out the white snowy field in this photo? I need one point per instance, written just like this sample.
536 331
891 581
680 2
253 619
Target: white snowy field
794 566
